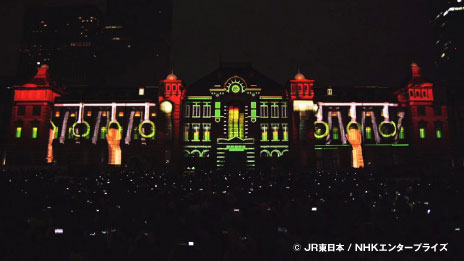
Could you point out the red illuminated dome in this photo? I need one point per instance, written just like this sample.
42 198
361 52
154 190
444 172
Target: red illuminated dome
171 77
415 70
299 76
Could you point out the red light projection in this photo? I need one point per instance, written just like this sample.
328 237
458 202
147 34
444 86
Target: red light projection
301 88
172 91
418 90
40 88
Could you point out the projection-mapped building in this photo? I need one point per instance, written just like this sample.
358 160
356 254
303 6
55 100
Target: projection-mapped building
233 118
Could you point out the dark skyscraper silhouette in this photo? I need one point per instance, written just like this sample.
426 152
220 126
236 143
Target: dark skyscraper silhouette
449 43
136 42
66 39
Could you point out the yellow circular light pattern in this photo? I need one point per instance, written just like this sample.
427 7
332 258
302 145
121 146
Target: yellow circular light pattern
351 123
326 130
153 129
86 133
117 123
387 135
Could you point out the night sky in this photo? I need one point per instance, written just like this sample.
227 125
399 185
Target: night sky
334 42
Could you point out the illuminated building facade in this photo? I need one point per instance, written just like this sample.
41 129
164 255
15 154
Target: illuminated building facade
233 118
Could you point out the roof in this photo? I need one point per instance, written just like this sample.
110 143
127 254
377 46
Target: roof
227 70
356 93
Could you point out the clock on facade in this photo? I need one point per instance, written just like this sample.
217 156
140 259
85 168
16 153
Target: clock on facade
235 85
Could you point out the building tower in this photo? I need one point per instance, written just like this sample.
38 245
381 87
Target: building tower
427 117
301 95
170 101
30 120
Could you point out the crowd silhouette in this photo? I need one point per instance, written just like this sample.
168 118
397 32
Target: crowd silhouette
121 214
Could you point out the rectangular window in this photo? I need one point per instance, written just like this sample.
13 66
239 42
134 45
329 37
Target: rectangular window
275 110
18 132
35 131
196 131
217 109
206 131
439 129
70 133
141 91
264 110
336 133
368 133
402 136
186 132
253 113
217 113
264 129
207 110
275 132
422 133
36 110
196 110
421 110
284 110
329 91
21 110
437 110
103 131
285 131
136 133
422 129
187 111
